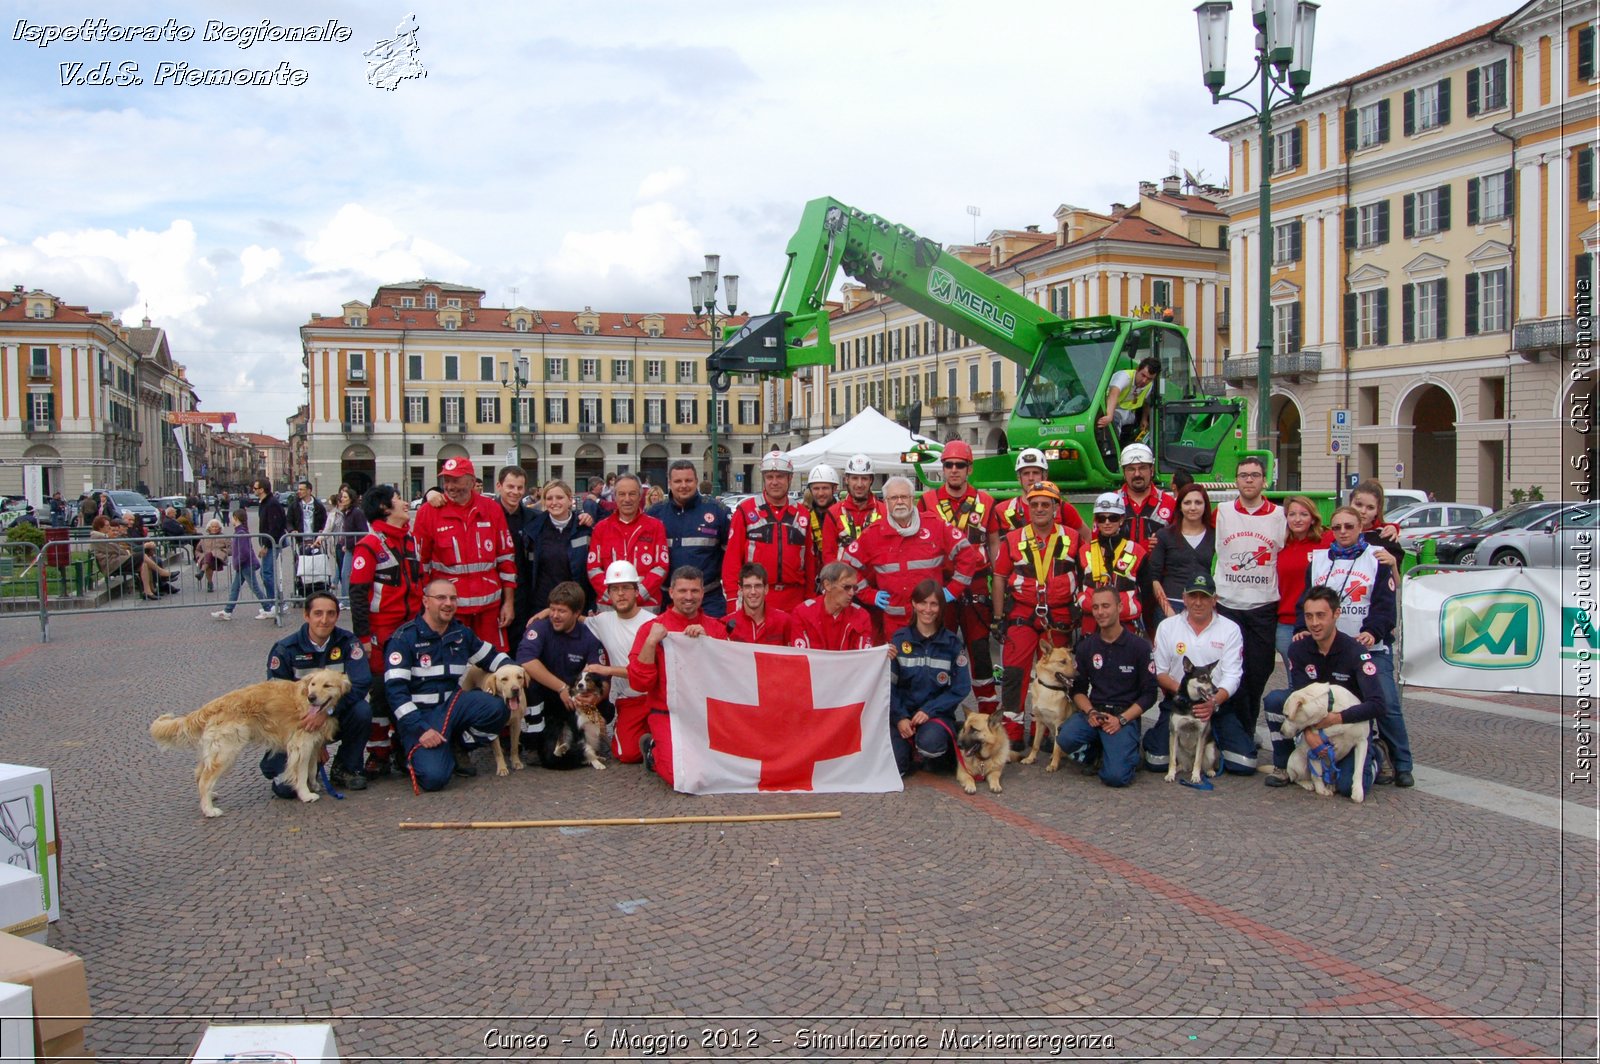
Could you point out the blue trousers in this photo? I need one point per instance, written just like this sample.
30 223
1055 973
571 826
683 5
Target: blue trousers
1236 747
269 576
930 739
475 721
1119 753
355 724
239 578
1392 725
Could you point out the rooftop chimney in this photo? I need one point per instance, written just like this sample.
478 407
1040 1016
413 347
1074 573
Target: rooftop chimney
1171 185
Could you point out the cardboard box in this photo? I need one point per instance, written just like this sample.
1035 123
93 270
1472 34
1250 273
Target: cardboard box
60 994
301 1043
16 1022
21 910
28 830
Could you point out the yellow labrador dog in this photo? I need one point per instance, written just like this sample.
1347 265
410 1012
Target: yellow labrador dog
268 713
509 683
1302 710
1050 698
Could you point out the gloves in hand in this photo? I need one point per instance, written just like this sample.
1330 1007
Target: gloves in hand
881 600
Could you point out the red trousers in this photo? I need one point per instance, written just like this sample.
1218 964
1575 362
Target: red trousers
632 724
486 624
661 732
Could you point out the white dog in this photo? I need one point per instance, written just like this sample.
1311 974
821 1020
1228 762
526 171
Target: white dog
1302 710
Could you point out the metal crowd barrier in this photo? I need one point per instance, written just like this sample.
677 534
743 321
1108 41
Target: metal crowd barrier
315 561
119 575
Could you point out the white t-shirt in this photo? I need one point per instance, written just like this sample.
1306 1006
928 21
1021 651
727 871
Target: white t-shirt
617 636
1221 644
1246 567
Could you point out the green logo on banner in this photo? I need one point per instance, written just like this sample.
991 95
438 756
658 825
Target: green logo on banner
944 287
1491 630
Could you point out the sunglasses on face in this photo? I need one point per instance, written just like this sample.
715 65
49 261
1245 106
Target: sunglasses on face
1109 519
957 465
1344 527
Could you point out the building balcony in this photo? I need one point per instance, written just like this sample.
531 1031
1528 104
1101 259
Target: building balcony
523 426
1535 339
1296 366
356 428
944 406
655 429
38 372
1224 320
1213 384
452 428
590 428
989 404
39 426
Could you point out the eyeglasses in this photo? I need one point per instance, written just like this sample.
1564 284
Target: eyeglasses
847 587
957 465
441 598
1344 527
1110 518
1251 476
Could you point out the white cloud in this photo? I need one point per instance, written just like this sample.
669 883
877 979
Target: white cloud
359 241
658 238
658 184
258 262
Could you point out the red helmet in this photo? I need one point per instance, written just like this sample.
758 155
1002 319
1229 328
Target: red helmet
957 451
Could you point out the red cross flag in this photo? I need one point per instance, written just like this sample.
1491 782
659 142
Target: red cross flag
749 718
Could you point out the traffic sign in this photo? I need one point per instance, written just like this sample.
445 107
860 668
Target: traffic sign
1339 425
1399 469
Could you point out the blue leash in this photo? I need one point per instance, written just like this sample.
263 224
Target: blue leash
1203 785
327 784
1322 759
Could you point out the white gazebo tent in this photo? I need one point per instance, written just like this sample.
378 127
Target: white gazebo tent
868 433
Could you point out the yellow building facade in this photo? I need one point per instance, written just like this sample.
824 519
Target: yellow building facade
426 372
1429 236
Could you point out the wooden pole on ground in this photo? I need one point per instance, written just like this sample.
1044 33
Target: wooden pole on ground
480 825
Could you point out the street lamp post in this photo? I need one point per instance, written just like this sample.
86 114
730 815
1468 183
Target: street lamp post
703 295
1285 30
514 375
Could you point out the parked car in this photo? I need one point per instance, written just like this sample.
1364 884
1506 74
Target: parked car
1419 519
126 501
1548 543
1458 546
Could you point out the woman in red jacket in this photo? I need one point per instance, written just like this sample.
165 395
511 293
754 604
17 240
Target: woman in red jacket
1306 534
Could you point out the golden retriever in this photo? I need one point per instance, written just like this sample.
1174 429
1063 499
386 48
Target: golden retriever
1050 698
508 683
983 748
1302 710
268 713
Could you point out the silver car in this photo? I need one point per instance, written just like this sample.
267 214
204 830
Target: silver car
1548 543
1419 519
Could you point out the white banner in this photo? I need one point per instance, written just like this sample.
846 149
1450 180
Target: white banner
751 718
1502 629
183 452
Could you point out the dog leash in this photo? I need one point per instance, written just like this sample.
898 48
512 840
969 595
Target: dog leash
444 731
1323 758
327 784
961 759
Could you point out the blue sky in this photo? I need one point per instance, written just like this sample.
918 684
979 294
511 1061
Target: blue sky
585 154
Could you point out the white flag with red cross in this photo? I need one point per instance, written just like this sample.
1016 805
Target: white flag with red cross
748 718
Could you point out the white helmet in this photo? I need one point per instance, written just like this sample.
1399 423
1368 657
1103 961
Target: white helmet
777 462
621 572
1031 458
1136 454
1110 503
823 474
858 466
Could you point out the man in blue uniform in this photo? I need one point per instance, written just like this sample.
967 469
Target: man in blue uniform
556 650
422 679
1323 654
321 644
1116 683
697 531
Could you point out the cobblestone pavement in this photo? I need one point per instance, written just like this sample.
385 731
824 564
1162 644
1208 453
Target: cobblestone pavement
1154 923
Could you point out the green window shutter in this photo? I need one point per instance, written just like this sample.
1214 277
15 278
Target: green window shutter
1383 121
1444 102
1442 301
1474 93
1383 317
1408 215
1472 200
1472 304
1408 109
1408 313
1349 321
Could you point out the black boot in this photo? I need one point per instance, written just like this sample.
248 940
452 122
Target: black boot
463 760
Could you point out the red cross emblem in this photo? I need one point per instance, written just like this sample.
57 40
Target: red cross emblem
786 730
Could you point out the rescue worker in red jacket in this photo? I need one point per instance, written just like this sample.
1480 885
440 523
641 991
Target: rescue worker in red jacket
1038 565
775 533
1111 559
646 668
1032 469
752 619
832 621
1149 510
385 592
974 515
629 535
858 508
896 554
822 515
466 542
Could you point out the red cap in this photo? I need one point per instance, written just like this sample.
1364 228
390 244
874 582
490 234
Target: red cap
457 467
957 451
